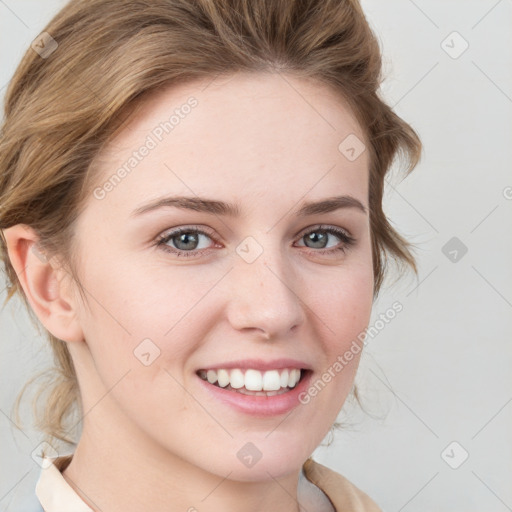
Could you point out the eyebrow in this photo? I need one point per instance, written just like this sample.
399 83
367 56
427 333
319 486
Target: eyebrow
215 207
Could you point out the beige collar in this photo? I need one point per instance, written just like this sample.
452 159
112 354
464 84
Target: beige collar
54 493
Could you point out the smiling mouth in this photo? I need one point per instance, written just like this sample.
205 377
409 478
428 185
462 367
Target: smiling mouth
253 382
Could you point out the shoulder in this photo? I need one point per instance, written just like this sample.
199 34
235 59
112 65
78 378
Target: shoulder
344 495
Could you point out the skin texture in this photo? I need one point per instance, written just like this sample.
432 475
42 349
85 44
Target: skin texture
153 439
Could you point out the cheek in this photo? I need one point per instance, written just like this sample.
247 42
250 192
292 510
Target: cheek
342 303
148 325
130 301
343 300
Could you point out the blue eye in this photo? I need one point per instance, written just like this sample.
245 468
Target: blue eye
186 240
183 237
312 236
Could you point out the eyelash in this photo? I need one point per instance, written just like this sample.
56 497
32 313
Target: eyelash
348 241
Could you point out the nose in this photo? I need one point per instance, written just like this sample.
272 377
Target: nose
263 298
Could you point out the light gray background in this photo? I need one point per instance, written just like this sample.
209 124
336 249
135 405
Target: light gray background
441 370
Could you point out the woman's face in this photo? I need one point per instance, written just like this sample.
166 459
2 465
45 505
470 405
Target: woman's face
249 284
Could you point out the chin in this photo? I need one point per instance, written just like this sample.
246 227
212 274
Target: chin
267 468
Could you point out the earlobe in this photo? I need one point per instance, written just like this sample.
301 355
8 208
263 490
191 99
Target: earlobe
44 285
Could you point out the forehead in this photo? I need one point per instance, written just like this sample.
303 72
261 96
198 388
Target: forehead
267 136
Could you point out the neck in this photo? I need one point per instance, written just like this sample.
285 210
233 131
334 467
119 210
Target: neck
114 473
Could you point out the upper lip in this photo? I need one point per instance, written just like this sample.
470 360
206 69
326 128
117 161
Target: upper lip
260 364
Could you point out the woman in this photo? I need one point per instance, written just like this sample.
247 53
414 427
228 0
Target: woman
192 207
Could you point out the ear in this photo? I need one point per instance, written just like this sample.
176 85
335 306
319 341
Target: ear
43 284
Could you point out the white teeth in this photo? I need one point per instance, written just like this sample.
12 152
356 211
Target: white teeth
253 380
270 381
237 380
223 378
294 377
211 375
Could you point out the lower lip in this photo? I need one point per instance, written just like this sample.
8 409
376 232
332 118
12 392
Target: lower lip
259 405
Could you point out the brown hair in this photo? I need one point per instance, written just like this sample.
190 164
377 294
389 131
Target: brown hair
66 100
